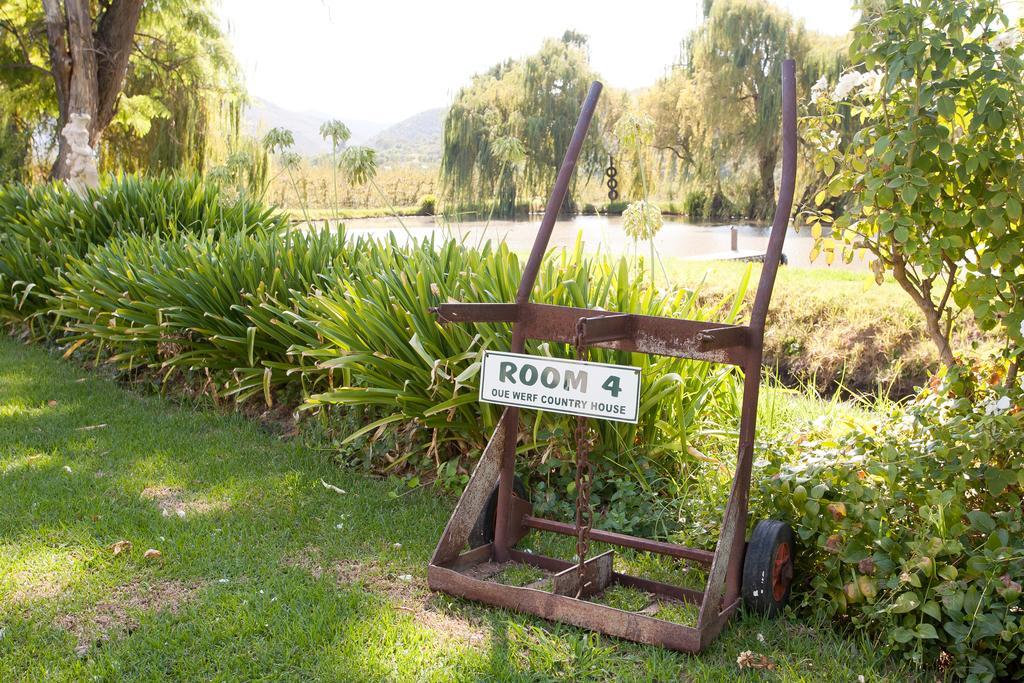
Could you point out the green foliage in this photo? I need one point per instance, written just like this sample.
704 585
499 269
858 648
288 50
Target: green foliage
913 528
335 131
931 181
15 144
373 322
739 52
196 303
427 205
345 322
505 134
359 165
703 204
716 113
43 227
181 95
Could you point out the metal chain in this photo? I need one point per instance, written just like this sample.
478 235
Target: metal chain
584 474
613 193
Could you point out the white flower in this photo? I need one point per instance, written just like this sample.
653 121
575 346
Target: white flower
1022 328
819 89
997 407
863 83
848 82
871 82
1007 40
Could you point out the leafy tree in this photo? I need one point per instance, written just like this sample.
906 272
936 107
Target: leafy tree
182 105
535 101
933 181
153 76
716 112
737 59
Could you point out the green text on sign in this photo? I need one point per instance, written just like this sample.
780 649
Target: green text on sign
599 390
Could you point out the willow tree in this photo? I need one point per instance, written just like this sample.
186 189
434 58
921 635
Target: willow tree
535 101
183 100
737 56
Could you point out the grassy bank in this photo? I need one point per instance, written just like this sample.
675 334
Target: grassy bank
264 572
298 214
832 329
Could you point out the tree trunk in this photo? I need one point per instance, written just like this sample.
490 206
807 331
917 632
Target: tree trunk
88 67
932 313
765 200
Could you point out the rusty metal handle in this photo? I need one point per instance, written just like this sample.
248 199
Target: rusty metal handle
785 203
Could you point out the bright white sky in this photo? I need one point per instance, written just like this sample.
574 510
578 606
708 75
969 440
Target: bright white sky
384 60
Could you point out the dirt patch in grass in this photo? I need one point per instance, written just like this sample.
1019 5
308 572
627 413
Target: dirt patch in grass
119 615
405 592
171 502
27 587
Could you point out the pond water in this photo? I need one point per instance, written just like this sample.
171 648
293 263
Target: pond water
677 239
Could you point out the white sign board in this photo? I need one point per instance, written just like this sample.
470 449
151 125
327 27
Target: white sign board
607 392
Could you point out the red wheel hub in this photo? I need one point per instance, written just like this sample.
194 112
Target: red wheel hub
782 571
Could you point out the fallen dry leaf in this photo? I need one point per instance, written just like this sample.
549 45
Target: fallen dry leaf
89 428
121 546
332 487
751 660
152 554
51 403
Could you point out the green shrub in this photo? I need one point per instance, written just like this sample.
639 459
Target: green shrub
347 323
913 527
702 204
375 324
194 302
589 209
427 205
614 208
694 203
44 226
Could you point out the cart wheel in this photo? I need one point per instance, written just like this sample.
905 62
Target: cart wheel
768 568
483 530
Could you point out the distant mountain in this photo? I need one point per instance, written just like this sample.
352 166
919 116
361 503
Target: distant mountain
416 140
262 115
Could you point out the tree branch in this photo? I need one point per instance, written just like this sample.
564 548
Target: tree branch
60 59
114 42
13 30
27 67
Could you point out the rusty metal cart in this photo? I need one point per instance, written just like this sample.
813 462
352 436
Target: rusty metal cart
495 520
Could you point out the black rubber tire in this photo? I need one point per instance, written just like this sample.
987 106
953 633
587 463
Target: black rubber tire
768 568
483 530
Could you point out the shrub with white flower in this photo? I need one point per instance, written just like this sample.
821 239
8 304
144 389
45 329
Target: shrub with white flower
1007 40
929 184
864 84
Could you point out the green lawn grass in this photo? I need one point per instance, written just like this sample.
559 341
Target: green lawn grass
265 573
